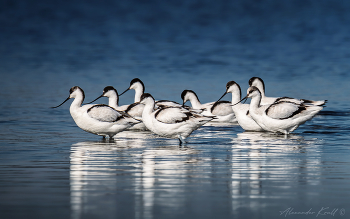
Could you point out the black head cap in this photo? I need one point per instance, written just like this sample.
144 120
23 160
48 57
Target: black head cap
135 80
253 88
253 79
183 94
256 78
230 83
108 88
146 95
74 88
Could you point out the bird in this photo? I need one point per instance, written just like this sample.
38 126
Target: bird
139 87
113 98
259 83
135 110
222 110
97 119
171 122
241 110
280 117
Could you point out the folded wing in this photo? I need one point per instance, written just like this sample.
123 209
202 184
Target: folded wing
104 113
284 110
172 115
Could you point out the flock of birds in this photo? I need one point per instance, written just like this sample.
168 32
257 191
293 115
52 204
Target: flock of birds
174 120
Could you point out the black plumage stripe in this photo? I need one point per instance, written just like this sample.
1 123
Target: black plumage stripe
280 98
299 110
217 103
98 105
104 105
187 117
131 106
188 114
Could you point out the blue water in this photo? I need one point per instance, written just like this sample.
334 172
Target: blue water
49 168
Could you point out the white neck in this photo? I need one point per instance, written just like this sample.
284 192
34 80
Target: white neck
76 104
261 89
138 93
236 98
255 103
149 106
113 100
195 102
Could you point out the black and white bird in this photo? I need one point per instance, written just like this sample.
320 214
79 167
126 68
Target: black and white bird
171 122
241 110
97 119
135 110
259 83
139 87
281 116
222 110
113 98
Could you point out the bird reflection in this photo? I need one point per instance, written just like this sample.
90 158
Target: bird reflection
261 160
129 162
154 172
88 172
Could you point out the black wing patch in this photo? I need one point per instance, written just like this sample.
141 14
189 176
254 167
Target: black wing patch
278 111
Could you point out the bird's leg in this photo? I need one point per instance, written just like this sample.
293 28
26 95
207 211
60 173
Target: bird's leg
182 140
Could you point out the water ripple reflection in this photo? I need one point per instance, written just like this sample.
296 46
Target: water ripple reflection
100 170
276 163
253 168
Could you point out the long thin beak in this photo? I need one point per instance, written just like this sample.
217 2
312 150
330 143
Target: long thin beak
217 101
96 99
244 98
221 97
61 103
124 91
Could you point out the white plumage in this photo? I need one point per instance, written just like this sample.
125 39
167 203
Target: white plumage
171 122
259 83
113 98
139 87
241 110
97 119
135 110
281 116
222 110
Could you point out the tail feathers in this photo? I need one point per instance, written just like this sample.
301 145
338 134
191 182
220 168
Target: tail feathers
130 121
315 102
313 109
129 118
207 118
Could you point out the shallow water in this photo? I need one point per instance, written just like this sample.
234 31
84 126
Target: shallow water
49 168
